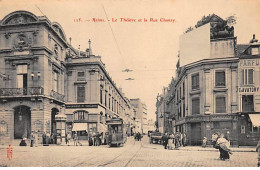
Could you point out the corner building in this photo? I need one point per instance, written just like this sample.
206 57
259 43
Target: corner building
48 86
216 89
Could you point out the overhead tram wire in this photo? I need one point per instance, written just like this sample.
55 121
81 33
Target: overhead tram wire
40 10
120 53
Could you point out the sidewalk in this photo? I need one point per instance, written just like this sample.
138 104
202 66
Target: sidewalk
234 149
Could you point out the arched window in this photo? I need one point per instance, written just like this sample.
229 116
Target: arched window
81 115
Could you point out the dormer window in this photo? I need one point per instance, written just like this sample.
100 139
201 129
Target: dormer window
255 51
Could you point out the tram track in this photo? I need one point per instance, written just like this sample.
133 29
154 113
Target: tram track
114 160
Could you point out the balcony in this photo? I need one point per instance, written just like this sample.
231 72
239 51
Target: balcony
57 96
30 91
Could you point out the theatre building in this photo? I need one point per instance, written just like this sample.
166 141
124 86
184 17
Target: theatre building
249 94
48 86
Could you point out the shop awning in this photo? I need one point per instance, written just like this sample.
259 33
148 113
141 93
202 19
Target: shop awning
103 128
255 119
80 127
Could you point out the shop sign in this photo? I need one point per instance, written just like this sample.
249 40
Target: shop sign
248 89
71 106
249 62
221 117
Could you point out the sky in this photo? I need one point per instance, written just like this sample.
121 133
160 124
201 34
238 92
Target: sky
148 48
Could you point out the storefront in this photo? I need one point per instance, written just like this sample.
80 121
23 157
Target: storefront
200 126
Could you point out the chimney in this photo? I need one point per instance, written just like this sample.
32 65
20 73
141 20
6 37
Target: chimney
253 40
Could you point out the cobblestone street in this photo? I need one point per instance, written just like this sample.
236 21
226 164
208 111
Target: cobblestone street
133 153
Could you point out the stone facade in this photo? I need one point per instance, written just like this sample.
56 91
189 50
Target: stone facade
43 77
207 96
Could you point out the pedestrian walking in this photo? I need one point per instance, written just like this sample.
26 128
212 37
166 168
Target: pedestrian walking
181 144
184 140
165 140
90 141
214 139
36 141
75 139
32 138
48 136
44 139
23 142
223 148
177 140
51 139
68 138
204 142
258 152
170 141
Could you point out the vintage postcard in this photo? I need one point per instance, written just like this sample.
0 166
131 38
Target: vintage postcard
129 83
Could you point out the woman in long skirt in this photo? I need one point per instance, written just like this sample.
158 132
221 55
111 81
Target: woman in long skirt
170 142
223 148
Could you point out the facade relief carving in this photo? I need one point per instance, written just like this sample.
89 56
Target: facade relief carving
20 19
22 42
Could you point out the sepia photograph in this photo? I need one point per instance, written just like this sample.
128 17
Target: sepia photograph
129 83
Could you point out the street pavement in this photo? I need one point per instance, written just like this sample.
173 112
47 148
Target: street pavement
132 154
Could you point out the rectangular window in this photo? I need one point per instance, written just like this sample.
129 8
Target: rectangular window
106 99
255 51
195 106
21 69
220 79
183 89
221 104
247 76
21 78
81 76
195 81
184 109
80 93
101 95
247 103
109 101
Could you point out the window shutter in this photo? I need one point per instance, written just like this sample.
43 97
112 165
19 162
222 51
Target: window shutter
195 106
220 104
250 76
220 79
81 94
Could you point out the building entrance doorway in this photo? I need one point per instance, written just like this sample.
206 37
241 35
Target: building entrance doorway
54 112
195 134
22 122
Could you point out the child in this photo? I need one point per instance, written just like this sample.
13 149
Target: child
204 142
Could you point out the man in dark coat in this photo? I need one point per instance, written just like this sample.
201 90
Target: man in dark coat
44 138
165 140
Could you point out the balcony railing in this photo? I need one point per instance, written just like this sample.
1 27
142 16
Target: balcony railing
57 96
21 91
